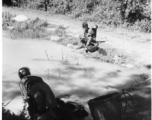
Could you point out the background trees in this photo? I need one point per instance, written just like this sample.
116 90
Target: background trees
108 12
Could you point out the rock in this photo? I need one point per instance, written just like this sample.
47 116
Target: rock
51 29
10 28
123 65
69 45
130 66
20 18
116 59
55 38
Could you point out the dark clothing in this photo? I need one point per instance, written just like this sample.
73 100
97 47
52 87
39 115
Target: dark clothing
88 40
90 32
37 94
27 82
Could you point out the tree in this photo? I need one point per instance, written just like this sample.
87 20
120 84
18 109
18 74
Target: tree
7 2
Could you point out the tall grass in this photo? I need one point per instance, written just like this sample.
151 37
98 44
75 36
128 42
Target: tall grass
30 29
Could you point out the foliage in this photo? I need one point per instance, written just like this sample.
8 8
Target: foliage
7 2
64 37
107 12
60 31
143 26
8 115
68 40
7 19
28 29
111 55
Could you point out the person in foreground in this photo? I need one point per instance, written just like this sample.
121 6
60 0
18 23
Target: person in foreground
42 104
36 93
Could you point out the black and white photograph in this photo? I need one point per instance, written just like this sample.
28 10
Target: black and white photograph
76 59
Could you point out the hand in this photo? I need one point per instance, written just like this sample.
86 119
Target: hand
25 98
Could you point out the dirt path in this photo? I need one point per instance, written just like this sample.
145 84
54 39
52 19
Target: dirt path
68 72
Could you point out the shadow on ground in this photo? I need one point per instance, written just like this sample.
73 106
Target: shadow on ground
81 82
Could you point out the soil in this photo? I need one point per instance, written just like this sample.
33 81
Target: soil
70 73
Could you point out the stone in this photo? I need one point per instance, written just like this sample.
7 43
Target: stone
55 38
116 59
129 66
50 29
10 28
69 45
20 18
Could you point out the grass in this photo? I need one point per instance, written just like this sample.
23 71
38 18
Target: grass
64 37
113 56
28 29
104 54
68 39
7 20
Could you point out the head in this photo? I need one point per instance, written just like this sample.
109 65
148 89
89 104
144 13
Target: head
24 71
85 25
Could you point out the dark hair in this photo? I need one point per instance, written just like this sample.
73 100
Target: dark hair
26 72
85 24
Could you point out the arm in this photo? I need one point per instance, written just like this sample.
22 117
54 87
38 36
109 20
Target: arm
23 92
89 37
88 41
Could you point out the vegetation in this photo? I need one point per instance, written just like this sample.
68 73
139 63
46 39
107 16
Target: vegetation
38 29
133 14
8 115
28 29
64 37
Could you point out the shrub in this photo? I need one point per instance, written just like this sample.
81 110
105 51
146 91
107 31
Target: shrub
29 29
106 12
7 2
64 38
68 39
60 31
7 19
8 115
143 26
109 55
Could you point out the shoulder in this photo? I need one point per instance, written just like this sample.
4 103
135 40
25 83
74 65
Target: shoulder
33 78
